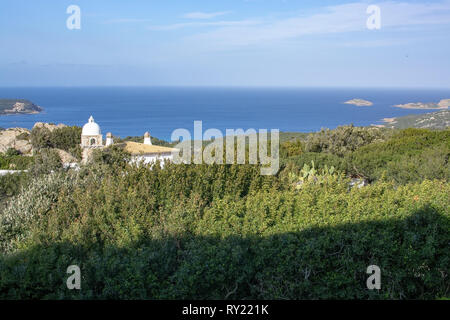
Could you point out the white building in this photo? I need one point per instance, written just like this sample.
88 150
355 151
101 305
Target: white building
146 152
91 136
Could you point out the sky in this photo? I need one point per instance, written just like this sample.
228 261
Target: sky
274 43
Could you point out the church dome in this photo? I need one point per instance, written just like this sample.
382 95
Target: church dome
91 128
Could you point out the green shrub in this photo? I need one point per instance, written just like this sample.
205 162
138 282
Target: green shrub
65 138
46 161
222 231
112 156
291 148
344 139
11 184
227 232
12 161
11 152
320 160
411 155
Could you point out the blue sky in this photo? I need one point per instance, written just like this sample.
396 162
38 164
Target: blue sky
225 43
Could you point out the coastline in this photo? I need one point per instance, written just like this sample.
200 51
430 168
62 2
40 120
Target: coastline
19 113
131 111
441 105
18 107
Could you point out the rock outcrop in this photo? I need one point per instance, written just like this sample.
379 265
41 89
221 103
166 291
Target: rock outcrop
359 103
49 126
16 138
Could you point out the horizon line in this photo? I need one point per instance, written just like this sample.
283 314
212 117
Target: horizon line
227 87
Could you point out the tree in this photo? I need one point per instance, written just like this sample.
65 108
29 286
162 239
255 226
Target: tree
46 161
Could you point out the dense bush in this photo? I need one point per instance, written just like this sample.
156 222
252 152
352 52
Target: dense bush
65 138
10 161
113 155
11 184
320 159
411 155
291 148
46 161
227 232
222 231
344 139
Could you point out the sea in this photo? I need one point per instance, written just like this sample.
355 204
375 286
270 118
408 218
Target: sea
131 111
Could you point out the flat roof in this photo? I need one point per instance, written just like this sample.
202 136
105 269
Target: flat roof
136 148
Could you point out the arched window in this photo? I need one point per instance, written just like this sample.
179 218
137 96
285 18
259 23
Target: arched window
93 142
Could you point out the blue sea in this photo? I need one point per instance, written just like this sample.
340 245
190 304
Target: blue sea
130 111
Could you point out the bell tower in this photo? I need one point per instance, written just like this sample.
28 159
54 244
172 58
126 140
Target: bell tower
91 136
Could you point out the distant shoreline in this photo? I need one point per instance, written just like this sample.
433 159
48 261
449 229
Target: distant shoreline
433 120
18 107
441 105
131 111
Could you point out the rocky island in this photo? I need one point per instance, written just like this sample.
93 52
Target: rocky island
359 102
443 104
18 106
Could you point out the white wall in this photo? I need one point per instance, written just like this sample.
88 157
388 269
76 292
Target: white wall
152 158
5 172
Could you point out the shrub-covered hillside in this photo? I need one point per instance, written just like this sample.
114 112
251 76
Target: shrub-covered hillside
227 232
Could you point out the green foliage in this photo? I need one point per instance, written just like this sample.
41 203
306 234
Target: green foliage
411 155
227 232
11 184
65 138
11 152
434 120
320 161
46 161
12 161
291 148
344 139
309 174
222 231
113 156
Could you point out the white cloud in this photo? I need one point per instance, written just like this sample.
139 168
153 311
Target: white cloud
204 15
344 18
205 24
126 20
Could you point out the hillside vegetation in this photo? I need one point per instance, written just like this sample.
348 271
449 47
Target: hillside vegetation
433 120
227 232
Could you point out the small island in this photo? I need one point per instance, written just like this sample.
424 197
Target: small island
443 104
18 106
359 102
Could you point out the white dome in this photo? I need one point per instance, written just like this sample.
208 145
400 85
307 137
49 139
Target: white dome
91 128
